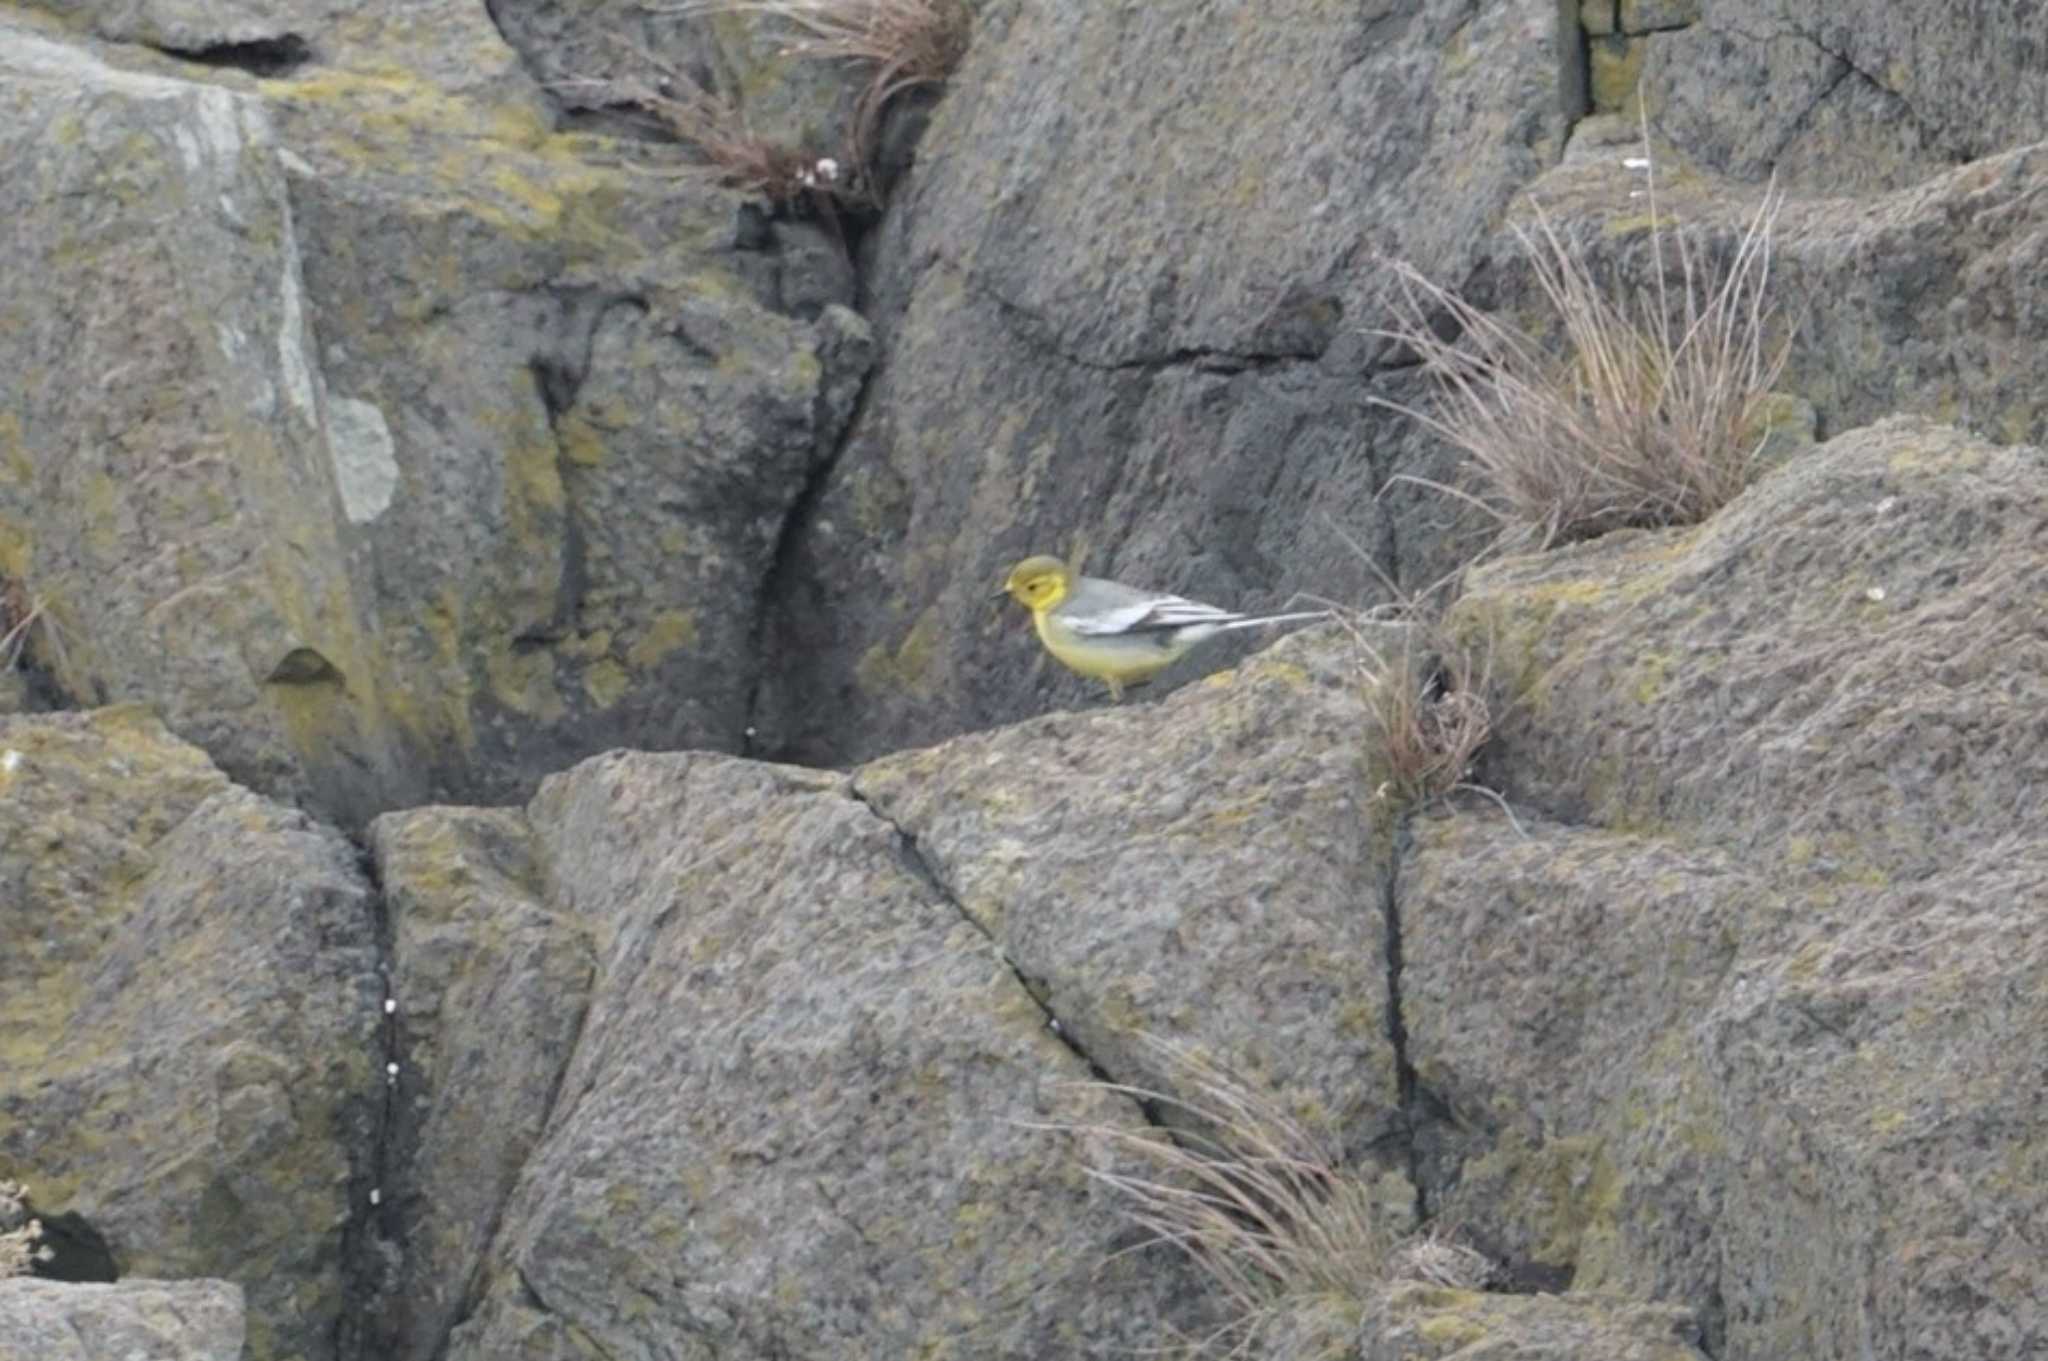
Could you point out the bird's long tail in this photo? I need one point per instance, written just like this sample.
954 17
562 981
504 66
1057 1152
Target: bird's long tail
1274 619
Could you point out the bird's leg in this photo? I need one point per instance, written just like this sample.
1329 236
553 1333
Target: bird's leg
1116 690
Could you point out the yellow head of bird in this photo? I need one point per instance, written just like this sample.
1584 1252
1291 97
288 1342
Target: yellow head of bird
1038 583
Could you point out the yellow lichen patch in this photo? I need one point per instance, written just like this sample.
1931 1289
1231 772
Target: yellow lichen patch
524 683
670 631
1458 55
2016 425
318 718
581 442
393 99
498 161
1440 1297
518 125
712 285
436 862
1626 799
1806 963
1232 817
1630 224
540 204
1510 636
590 647
1451 1331
1940 456
1652 672
100 498
1777 411
1289 674
806 372
439 677
606 682
1615 68
909 666
1564 1187
534 496
14 552
14 448
594 205
533 193
1360 1018
34 1021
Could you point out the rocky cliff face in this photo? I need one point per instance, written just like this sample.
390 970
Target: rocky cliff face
392 425
396 445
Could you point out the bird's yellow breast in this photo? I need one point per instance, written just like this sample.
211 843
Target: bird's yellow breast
1118 659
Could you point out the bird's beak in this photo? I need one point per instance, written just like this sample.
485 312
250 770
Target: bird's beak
1001 591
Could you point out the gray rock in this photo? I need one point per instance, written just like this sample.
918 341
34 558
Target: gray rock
1750 1022
137 1320
489 988
1551 987
1599 18
595 56
1922 301
798 1116
1124 300
485 438
168 500
1423 1323
1878 1079
451 44
1798 1101
1653 16
1850 96
191 1003
1918 300
1743 678
1236 910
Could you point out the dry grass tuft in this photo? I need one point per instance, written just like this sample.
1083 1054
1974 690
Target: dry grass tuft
1436 1258
1262 1205
904 45
18 1233
1425 696
1427 705
1652 416
791 179
18 614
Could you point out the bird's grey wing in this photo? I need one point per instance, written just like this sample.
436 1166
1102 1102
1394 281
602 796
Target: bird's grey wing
1106 608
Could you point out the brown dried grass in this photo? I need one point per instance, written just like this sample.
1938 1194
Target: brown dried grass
19 613
903 45
1425 690
1652 415
18 1233
734 155
1427 706
1261 1204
